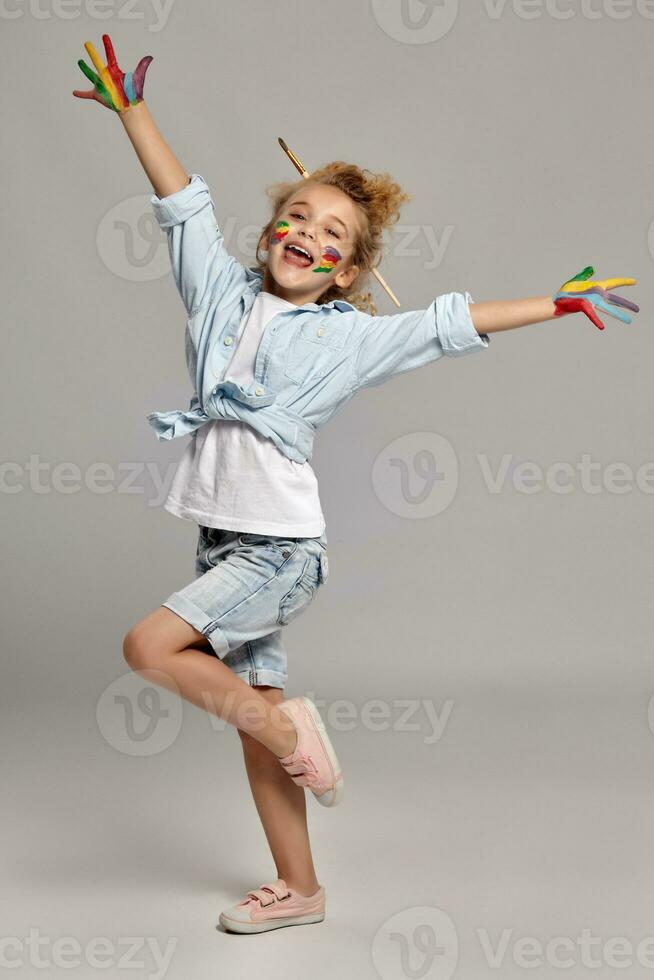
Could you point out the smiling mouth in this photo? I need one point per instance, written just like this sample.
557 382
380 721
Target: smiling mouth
297 256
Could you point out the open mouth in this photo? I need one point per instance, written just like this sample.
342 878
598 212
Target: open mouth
297 256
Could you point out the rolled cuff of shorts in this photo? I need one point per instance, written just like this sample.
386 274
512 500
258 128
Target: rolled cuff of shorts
261 678
197 618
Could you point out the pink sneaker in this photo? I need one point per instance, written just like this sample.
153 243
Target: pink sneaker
272 906
313 762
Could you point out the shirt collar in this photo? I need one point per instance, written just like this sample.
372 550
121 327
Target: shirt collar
255 282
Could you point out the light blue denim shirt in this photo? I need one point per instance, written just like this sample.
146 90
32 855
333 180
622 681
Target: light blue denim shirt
311 359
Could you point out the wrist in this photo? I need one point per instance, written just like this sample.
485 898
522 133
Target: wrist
131 106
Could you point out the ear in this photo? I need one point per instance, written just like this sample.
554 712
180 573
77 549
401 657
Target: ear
346 278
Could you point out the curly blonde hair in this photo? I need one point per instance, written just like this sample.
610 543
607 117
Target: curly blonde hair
378 198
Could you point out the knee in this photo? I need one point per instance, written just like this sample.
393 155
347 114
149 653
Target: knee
139 651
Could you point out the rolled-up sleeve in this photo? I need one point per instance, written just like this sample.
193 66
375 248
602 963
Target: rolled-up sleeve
198 256
391 345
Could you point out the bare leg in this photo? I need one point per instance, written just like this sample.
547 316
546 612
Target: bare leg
282 808
166 650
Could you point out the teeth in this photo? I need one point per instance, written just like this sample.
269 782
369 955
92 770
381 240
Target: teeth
300 250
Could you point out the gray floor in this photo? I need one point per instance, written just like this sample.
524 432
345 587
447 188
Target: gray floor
530 814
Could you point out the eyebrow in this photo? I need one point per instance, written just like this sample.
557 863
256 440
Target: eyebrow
332 216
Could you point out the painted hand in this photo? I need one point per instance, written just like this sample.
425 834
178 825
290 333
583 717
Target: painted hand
582 294
112 87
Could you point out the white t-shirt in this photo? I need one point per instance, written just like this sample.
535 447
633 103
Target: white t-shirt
230 476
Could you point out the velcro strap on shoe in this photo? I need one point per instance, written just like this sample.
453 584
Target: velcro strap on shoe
267 893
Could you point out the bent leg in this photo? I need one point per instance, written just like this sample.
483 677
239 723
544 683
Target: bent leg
168 651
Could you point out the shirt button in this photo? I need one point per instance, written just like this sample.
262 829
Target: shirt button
229 340
320 331
258 391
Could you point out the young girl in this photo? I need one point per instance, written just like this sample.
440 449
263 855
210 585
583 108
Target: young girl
273 352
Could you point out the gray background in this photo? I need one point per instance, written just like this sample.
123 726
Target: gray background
527 613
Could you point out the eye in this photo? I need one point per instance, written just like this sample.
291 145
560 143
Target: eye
295 214
332 232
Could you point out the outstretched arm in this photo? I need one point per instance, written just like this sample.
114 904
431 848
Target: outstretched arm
495 315
122 92
577 295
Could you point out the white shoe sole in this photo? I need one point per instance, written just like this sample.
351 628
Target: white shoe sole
233 925
335 795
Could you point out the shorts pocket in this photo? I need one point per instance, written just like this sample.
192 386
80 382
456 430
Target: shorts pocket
282 548
301 593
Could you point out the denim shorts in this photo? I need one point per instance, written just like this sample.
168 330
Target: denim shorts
247 588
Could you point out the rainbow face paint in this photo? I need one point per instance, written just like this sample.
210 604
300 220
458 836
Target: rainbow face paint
280 232
112 87
330 257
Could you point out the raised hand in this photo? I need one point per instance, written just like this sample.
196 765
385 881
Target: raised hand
581 294
112 87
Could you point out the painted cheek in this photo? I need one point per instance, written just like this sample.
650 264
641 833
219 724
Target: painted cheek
330 258
280 233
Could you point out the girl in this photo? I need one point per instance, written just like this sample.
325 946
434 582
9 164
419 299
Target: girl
273 351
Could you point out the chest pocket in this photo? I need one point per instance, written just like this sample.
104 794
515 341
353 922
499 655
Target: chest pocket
316 349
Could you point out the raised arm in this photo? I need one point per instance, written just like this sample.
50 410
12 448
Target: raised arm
202 267
122 92
164 170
